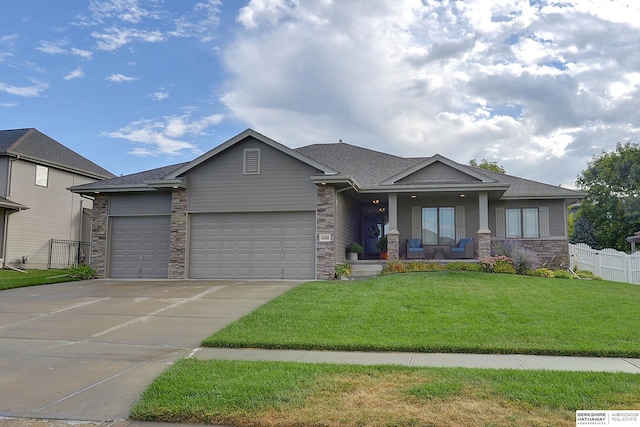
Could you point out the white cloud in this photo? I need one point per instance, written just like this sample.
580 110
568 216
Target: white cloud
121 78
159 96
166 136
53 47
509 80
81 53
36 89
114 38
75 74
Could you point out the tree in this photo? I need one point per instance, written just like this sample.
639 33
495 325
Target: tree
486 164
583 233
612 183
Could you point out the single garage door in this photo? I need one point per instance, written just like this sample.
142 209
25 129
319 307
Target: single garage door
140 247
273 245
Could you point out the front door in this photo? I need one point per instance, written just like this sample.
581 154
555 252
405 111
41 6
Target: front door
374 229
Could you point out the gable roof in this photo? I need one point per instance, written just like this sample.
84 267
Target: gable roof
249 133
377 171
31 144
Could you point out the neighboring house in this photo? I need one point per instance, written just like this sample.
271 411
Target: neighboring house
254 208
35 205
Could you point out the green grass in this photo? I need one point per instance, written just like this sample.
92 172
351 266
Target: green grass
448 312
10 279
281 393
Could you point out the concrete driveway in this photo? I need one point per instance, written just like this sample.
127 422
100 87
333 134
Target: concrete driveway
87 350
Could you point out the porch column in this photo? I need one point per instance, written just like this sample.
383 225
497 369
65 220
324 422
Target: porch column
177 245
484 233
326 231
393 236
98 260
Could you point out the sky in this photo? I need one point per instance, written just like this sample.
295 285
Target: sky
538 86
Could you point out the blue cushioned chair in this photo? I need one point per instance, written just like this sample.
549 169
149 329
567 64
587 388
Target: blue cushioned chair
464 249
414 248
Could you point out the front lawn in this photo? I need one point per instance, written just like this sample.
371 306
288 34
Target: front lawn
10 279
243 393
448 312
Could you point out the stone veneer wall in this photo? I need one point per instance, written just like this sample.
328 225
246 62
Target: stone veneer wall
393 245
99 219
552 254
177 246
326 224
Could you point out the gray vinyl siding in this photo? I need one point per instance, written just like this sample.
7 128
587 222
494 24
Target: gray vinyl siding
348 226
556 226
54 213
133 204
283 184
437 172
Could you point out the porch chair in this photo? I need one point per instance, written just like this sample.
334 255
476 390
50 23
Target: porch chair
414 248
464 249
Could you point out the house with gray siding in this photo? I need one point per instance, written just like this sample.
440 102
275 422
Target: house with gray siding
255 208
35 205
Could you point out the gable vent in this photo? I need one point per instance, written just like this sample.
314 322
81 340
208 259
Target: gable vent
251 161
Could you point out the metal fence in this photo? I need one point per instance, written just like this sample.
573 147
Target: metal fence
67 253
609 264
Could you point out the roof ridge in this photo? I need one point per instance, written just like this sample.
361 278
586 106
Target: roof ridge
19 141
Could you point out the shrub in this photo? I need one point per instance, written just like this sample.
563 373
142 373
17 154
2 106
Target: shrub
82 272
586 274
463 266
523 259
562 274
504 267
496 264
343 270
393 267
544 272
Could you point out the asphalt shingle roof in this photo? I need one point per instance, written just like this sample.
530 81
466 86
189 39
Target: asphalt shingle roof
367 167
34 145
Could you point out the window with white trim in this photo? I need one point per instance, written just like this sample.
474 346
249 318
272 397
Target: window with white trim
251 161
522 222
42 176
438 225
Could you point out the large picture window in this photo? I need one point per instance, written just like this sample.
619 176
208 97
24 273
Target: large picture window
522 223
438 226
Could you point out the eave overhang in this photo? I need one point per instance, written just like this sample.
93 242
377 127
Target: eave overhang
8 204
111 189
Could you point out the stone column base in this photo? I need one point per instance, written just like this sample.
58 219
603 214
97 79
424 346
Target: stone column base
393 244
484 243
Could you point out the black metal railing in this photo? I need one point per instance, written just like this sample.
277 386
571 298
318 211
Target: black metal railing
67 253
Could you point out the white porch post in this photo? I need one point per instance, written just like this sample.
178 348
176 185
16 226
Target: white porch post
484 233
393 236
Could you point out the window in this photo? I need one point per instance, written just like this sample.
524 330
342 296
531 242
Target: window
522 223
251 161
42 176
438 226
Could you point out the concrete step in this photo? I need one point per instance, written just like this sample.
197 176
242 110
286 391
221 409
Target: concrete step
365 269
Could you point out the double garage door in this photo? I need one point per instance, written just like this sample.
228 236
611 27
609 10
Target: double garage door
278 245
266 245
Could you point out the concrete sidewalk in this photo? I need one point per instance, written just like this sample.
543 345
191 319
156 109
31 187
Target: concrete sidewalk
491 361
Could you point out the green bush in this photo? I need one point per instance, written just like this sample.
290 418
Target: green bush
393 267
82 272
544 272
463 266
343 270
586 274
504 267
562 274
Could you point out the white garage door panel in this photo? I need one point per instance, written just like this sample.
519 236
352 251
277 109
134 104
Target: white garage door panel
140 247
252 245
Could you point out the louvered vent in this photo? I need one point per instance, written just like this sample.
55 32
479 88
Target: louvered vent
251 161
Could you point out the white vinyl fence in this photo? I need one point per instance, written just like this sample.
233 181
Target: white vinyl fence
609 264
